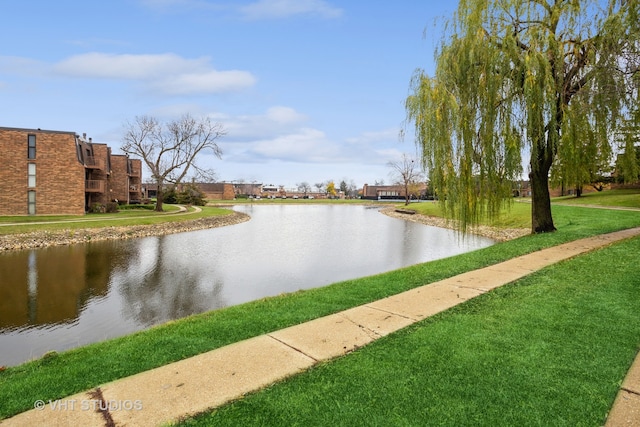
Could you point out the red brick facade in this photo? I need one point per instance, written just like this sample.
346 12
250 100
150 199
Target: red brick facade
59 173
97 160
59 176
217 191
125 182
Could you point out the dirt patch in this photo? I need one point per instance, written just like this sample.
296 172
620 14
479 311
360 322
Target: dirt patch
42 239
498 234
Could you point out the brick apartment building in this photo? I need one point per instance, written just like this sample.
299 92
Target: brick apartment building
44 172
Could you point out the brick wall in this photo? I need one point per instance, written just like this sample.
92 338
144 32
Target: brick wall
217 191
59 175
101 152
119 179
135 180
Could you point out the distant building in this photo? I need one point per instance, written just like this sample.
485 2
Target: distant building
388 192
211 191
47 172
217 191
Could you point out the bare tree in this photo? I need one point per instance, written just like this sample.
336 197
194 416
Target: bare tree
406 172
352 189
304 187
170 149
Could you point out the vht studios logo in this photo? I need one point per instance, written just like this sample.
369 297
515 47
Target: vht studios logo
89 405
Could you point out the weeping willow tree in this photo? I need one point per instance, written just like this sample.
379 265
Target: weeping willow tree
584 158
628 162
547 78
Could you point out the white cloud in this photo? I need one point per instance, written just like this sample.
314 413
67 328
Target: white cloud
284 115
390 154
168 72
306 145
277 9
278 146
206 82
280 134
110 66
277 120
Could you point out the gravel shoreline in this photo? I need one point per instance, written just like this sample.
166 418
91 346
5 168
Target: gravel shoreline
498 234
43 239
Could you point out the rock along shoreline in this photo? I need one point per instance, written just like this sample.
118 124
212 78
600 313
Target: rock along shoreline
43 239
497 234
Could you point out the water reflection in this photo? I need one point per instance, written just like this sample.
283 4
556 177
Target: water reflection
154 288
49 286
63 297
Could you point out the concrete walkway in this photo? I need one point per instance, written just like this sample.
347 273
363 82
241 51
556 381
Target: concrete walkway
211 379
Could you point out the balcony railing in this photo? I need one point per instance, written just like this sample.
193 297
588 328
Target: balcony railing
134 188
90 162
94 186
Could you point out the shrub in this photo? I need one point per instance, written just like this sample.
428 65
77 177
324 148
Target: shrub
111 207
97 208
170 196
191 195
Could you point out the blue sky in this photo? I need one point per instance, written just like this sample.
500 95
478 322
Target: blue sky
308 90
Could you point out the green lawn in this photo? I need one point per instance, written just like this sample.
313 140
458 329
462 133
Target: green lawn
518 213
514 215
621 198
533 333
550 349
27 224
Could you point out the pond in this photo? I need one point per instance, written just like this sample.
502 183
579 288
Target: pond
63 297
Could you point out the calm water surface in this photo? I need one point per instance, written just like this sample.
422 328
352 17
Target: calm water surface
64 297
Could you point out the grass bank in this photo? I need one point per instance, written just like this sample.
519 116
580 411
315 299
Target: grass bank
628 198
518 213
60 375
130 217
550 349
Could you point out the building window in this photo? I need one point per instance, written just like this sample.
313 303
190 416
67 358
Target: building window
31 182
31 152
31 202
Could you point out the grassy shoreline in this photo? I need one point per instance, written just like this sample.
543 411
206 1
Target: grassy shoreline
128 218
66 373
68 232
549 349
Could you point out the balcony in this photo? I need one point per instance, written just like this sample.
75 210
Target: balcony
94 186
134 188
90 162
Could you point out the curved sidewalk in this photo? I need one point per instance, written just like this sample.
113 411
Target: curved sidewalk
214 378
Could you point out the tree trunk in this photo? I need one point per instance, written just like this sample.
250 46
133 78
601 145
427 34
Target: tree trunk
406 194
541 219
159 197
